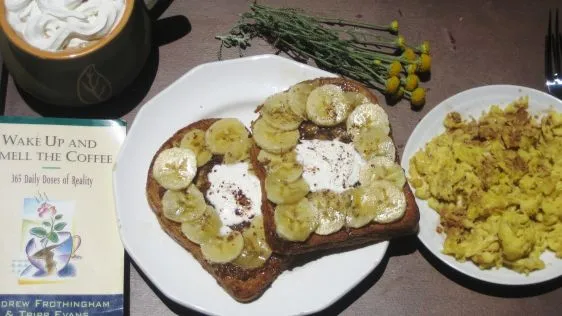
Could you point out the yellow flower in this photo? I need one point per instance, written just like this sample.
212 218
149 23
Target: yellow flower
424 47
394 68
392 84
424 63
401 42
411 68
397 96
412 82
418 97
377 62
409 54
400 93
393 27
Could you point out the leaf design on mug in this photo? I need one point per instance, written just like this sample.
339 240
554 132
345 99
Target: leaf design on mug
92 86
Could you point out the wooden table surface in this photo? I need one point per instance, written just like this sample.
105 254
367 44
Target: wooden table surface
473 43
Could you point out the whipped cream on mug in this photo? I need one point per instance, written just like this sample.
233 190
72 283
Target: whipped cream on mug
59 24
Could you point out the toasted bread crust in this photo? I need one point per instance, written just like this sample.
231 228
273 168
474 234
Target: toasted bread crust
346 237
242 285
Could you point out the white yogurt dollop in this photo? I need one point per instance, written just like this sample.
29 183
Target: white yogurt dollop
234 192
329 164
58 24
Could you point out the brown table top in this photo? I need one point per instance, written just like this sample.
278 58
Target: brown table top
495 42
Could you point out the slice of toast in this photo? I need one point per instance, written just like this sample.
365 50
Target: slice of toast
345 237
244 285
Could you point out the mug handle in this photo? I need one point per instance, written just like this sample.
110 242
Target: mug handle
154 9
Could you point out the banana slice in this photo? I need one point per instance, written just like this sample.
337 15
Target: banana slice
203 157
362 211
174 168
256 251
298 95
180 206
372 142
326 105
354 99
201 229
239 153
277 113
332 209
295 222
272 139
280 192
382 168
367 115
223 249
388 200
286 172
226 135
270 160
195 140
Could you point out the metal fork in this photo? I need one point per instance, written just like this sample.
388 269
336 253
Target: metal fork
553 58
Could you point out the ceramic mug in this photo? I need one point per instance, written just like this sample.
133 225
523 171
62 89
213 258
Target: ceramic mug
84 76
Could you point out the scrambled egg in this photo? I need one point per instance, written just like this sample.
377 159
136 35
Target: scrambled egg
496 183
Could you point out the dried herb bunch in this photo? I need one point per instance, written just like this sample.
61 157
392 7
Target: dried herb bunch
376 55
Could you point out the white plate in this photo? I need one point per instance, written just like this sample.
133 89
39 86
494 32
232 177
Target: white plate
473 102
221 89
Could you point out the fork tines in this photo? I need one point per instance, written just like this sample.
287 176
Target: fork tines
553 49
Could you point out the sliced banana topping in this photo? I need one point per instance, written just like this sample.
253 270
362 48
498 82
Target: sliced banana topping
367 115
239 153
280 192
256 251
203 157
332 209
277 113
270 160
203 228
180 206
272 139
388 200
326 105
286 172
195 140
382 168
374 142
174 168
354 99
223 249
295 222
298 95
226 135
363 209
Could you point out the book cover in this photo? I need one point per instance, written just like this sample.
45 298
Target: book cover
61 253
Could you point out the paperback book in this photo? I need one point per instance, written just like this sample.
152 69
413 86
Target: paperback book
61 254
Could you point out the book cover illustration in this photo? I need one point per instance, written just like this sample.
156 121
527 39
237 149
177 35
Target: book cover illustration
61 252
49 245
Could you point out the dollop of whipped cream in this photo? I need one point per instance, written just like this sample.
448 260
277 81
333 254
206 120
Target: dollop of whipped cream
329 164
54 25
